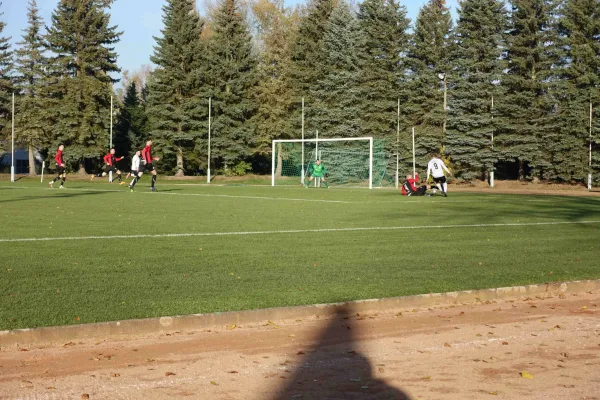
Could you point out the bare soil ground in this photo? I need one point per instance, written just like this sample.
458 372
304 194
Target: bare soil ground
542 348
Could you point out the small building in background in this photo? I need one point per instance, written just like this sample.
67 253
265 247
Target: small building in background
21 162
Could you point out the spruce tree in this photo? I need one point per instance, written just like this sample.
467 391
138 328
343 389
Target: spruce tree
274 93
429 63
6 81
477 70
234 77
30 64
176 114
383 80
580 77
525 111
79 85
130 129
337 94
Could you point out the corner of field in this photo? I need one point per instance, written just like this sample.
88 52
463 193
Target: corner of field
148 326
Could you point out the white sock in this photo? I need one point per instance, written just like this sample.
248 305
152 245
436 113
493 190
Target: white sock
439 185
445 187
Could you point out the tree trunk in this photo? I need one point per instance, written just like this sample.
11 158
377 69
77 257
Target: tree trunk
81 171
521 170
31 162
179 162
279 161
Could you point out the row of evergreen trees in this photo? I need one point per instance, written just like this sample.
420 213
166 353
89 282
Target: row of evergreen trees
507 87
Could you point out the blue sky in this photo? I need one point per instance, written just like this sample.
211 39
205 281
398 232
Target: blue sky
138 19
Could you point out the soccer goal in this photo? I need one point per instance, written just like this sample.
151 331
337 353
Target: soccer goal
349 161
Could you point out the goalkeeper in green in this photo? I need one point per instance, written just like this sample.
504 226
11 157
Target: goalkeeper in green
317 170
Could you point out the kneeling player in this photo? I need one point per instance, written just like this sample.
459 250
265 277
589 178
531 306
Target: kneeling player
317 170
409 187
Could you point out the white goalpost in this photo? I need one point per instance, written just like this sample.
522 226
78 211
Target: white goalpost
348 163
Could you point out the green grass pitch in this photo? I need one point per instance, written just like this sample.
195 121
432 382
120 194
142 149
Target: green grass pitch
290 246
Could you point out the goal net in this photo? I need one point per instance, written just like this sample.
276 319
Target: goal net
351 162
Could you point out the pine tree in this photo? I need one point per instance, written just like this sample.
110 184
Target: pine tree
477 70
6 81
526 108
234 76
580 78
277 29
383 80
79 86
176 115
429 63
338 95
130 129
30 66
308 51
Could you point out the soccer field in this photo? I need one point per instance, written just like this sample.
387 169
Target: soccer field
95 252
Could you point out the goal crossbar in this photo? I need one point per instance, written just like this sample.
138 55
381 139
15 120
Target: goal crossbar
317 141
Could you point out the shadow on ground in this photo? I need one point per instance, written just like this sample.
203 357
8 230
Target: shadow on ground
335 368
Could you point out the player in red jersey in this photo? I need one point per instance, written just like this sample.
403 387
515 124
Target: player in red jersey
60 168
409 187
146 166
110 165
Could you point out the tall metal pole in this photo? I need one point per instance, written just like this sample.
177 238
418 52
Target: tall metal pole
302 176
590 160
317 147
110 174
209 122
414 156
492 172
12 160
398 146
445 106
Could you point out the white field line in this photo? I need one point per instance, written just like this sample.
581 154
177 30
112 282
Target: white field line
295 231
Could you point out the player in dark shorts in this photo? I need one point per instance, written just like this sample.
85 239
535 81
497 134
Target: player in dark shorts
146 166
60 168
110 165
409 187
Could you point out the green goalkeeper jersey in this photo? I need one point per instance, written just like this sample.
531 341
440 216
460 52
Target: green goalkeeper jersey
318 170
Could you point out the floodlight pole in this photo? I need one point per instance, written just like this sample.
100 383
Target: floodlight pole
209 118
12 159
110 174
590 158
492 172
414 156
317 147
302 173
398 145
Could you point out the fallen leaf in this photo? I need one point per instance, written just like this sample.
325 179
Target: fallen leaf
292 336
51 388
115 375
381 370
584 308
24 349
462 313
300 353
68 344
505 343
231 327
77 319
479 335
526 375
168 373
85 396
494 393
447 345
233 372
214 383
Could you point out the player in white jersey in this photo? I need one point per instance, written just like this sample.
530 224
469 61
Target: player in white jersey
135 169
436 168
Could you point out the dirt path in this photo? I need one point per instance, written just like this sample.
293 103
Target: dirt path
456 352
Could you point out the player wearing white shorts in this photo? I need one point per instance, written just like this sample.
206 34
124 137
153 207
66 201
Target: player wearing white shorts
436 168
136 172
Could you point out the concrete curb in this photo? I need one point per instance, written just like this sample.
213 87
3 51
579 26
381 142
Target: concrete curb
253 317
